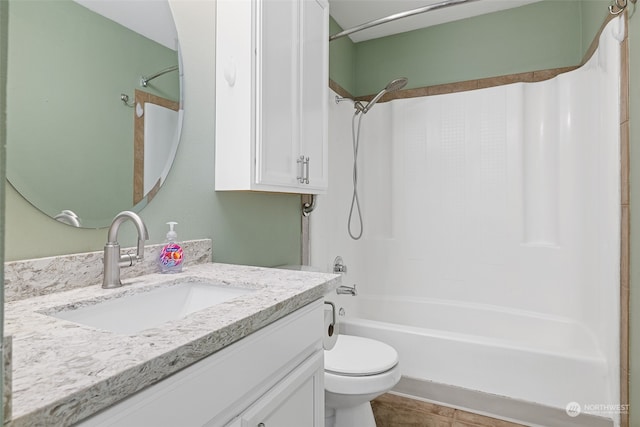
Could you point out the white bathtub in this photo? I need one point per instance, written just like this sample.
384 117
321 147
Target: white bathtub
520 355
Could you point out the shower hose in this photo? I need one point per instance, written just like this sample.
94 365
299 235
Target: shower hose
355 202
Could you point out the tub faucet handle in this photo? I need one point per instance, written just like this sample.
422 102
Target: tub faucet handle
339 266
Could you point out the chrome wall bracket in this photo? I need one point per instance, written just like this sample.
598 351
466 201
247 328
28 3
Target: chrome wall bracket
619 6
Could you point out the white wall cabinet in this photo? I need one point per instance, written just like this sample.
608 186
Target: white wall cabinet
274 376
271 95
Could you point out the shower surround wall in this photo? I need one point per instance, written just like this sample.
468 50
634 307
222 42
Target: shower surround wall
502 200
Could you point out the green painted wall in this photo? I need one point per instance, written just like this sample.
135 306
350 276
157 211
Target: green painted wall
592 15
342 56
247 228
70 136
537 36
548 34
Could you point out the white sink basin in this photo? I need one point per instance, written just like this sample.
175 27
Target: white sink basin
144 310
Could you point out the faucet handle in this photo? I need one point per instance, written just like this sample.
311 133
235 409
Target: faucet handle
143 235
339 265
140 250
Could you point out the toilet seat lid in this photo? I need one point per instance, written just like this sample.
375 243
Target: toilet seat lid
359 356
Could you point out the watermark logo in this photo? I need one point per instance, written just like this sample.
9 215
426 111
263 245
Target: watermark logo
573 409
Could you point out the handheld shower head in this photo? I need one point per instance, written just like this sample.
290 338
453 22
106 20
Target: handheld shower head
392 86
396 84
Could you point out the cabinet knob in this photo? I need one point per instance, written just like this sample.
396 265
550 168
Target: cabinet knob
262 425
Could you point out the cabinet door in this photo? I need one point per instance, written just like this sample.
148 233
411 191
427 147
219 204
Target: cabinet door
277 92
298 400
314 36
219 387
234 93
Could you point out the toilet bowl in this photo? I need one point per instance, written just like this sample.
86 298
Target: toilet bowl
356 371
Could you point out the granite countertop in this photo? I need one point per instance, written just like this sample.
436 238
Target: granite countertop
64 372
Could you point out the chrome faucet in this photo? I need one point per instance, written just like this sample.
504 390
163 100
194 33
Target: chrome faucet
347 290
112 258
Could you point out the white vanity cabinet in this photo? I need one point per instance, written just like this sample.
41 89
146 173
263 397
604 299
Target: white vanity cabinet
271 95
273 377
292 402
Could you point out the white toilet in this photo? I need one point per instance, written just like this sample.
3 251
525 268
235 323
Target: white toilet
356 371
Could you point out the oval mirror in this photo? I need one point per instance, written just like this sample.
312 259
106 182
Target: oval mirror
93 105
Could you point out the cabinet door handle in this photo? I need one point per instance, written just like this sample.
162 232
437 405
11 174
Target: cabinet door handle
306 175
301 163
262 425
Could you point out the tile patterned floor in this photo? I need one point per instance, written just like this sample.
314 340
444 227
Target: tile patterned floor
396 411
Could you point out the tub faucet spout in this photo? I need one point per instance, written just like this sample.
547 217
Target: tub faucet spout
112 258
347 290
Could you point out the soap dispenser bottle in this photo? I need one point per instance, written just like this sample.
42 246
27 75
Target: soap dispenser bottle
171 256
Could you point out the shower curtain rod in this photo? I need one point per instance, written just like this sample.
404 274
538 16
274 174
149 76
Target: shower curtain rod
145 80
617 7
396 16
